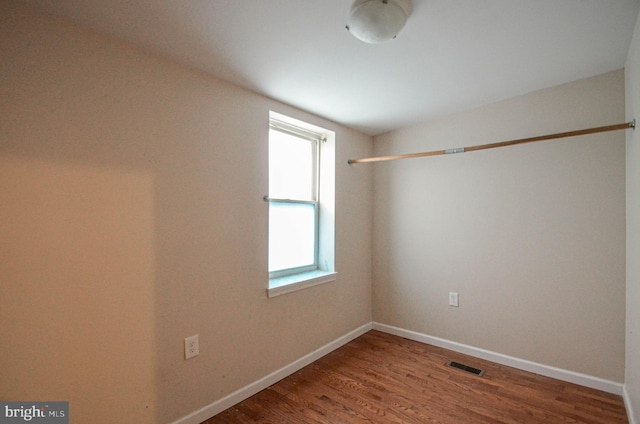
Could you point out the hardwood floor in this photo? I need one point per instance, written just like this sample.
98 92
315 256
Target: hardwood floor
380 378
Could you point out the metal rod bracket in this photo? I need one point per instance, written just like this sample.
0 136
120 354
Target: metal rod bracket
456 150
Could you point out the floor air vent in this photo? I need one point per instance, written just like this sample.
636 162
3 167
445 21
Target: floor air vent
465 368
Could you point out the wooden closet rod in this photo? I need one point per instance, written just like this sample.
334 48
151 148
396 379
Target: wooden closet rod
626 125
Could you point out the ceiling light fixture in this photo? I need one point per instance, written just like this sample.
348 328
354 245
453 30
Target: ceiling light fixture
375 21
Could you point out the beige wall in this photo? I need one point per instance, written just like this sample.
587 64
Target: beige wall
532 237
131 216
632 375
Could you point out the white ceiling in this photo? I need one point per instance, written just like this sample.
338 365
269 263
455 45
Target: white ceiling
452 55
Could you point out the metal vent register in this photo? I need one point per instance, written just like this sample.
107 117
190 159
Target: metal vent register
465 368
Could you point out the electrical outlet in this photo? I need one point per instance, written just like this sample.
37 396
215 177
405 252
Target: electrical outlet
191 347
453 299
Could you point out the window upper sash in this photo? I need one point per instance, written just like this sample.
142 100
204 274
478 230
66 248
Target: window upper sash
284 127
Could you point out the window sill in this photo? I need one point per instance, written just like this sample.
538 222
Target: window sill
291 283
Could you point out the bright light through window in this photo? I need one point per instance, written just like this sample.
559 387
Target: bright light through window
291 167
291 235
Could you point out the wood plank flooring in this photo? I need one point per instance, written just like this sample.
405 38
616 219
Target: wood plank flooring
380 378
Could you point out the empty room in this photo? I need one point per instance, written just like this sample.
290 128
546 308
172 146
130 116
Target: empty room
285 211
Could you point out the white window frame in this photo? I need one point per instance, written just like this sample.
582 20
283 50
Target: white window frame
323 271
316 140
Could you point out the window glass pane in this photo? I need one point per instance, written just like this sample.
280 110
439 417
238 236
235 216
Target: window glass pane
291 235
291 167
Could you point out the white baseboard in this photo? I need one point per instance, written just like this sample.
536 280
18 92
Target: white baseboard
628 406
522 364
245 392
565 375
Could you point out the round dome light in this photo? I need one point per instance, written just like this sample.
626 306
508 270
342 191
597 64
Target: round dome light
375 21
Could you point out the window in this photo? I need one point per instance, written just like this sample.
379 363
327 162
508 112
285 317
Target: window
301 193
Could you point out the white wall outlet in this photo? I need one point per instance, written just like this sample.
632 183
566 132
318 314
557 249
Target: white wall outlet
191 347
453 299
